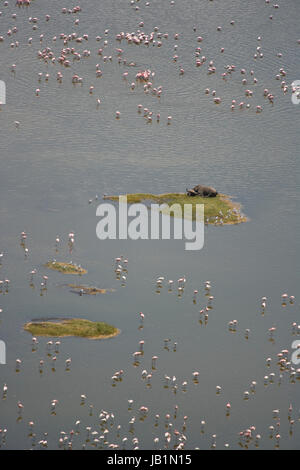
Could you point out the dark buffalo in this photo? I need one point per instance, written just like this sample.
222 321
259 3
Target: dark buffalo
204 191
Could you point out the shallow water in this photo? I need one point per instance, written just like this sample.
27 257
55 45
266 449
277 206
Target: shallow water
66 151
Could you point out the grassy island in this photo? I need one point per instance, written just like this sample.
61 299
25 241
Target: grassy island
72 327
65 268
220 210
89 290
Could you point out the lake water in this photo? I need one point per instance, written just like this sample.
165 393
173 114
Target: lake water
66 150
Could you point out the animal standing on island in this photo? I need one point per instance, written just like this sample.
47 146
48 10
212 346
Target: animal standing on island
204 191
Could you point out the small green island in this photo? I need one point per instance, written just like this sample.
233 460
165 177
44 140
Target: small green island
89 290
66 268
72 327
219 210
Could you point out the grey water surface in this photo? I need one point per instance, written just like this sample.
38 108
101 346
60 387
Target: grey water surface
67 150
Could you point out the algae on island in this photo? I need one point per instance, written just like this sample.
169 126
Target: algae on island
219 210
66 268
72 327
89 290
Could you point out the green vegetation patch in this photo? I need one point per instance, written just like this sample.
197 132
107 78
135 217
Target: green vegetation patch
66 268
220 210
72 327
89 290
